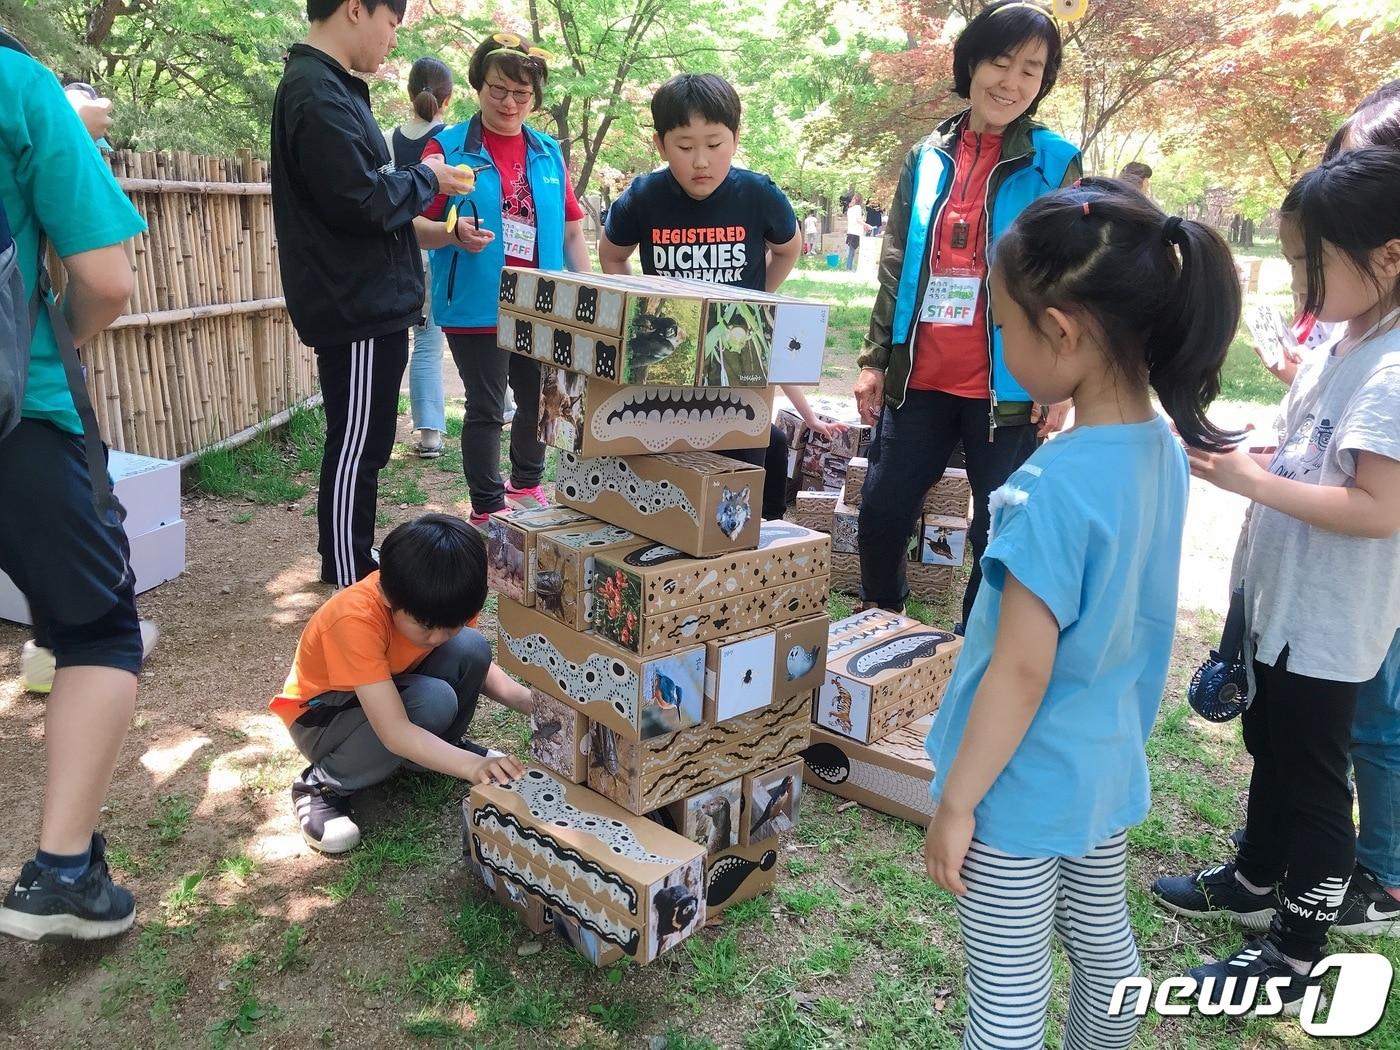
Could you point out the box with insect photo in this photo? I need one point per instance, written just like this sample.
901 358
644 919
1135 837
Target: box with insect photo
642 776
625 879
701 503
510 546
740 873
771 799
939 540
709 818
745 672
564 570
889 776
875 687
558 735
591 417
638 697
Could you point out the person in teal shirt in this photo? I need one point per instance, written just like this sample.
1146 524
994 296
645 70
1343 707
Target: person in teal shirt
70 562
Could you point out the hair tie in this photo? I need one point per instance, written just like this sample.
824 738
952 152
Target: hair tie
1085 206
1170 228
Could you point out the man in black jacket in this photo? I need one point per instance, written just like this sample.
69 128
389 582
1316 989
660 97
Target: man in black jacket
350 264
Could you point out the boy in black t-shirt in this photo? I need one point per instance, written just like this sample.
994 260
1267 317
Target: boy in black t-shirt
700 217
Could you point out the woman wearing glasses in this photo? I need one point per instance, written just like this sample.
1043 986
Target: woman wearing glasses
522 212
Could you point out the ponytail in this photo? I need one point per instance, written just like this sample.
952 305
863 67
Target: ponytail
429 86
1103 249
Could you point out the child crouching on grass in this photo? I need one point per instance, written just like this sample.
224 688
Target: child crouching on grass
1038 747
387 673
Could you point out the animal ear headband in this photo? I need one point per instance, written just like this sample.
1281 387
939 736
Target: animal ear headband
1058 10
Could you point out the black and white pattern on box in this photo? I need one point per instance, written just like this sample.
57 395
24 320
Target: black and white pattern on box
547 803
660 416
604 536
604 884
897 653
600 677
881 626
586 480
833 766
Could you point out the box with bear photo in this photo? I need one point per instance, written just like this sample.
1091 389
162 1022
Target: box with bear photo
510 546
564 569
591 417
700 503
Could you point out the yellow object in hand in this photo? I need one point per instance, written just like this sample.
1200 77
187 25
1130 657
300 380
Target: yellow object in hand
451 222
472 172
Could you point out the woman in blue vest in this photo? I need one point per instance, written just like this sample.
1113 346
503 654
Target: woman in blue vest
931 371
522 212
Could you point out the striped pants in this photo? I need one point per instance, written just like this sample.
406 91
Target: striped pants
1008 914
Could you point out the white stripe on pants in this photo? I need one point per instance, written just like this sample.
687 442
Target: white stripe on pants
1011 907
356 428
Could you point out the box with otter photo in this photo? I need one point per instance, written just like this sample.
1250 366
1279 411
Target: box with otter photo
771 799
873 688
510 547
701 503
623 878
709 818
638 697
564 570
890 776
591 417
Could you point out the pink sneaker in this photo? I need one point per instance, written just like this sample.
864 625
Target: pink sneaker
534 494
478 521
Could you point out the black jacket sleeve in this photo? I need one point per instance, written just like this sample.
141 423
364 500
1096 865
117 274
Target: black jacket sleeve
876 352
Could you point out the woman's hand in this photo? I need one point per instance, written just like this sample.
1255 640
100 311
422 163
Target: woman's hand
1051 419
1234 471
470 237
945 847
870 394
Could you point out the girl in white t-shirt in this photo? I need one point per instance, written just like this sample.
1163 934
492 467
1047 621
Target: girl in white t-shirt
855 229
1320 569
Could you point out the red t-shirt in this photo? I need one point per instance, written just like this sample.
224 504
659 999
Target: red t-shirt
517 200
953 358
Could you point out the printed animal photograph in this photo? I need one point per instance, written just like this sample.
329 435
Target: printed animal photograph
505 559
711 818
733 511
813 459
673 694
744 681
942 545
661 341
676 906
738 344
607 771
772 802
561 406
844 707
790 424
553 728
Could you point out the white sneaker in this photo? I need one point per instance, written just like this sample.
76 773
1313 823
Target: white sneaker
37 663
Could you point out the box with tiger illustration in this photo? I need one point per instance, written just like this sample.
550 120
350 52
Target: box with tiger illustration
624 879
661 330
563 576
701 503
510 546
889 776
592 417
638 696
885 682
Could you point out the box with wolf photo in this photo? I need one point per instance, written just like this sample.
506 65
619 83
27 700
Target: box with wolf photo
637 697
591 417
771 801
939 540
564 570
510 546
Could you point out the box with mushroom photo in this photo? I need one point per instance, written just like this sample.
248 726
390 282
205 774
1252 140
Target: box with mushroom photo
770 802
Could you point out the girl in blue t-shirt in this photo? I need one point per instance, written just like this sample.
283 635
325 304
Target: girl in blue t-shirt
1038 748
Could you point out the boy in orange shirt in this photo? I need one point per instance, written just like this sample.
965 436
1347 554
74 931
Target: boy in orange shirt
387 673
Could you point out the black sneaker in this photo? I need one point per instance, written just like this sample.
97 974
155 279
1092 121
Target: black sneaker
1216 891
325 818
1227 982
1367 909
41 906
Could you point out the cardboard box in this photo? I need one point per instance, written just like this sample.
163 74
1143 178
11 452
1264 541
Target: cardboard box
739 674
845 523
645 775
517 898
592 417
874 688
814 509
510 547
845 573
801 655
951 496
564 569
701 503
148 488
890 776
709 818
739 874
664 329
771 800
558 735
940 540
855 481
929 582
587 943
623 878
637 697
792 427
859 628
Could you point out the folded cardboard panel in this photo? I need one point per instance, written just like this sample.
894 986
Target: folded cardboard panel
638 697
564 570
624 878
558 734
771 800
875 687
592 417
890 776
645 775
939 540
701 503
709 818
740 873
657 577
510 547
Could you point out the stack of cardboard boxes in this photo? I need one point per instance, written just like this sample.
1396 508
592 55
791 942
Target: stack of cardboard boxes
673 640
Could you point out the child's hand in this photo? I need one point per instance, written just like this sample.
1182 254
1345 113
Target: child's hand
825 429
1284 367
946 845
493 770
1234 471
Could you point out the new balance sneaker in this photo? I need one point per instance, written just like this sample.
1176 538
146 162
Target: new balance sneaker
534 494
1216 891
1240 980
37 664
1368 909
41 906
325 819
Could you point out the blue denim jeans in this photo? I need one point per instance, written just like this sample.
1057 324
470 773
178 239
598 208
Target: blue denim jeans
1375 757
425 371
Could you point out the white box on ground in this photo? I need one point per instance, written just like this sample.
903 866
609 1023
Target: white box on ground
148 488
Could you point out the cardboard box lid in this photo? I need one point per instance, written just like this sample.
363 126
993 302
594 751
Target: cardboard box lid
537 519
889 657
593 537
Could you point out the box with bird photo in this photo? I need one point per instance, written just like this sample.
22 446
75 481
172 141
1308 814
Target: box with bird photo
771 801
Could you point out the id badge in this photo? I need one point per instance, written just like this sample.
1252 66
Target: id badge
951 298
519 238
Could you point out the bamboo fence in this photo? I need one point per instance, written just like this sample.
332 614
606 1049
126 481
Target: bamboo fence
206 350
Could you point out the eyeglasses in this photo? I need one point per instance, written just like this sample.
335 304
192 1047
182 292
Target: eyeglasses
499 93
